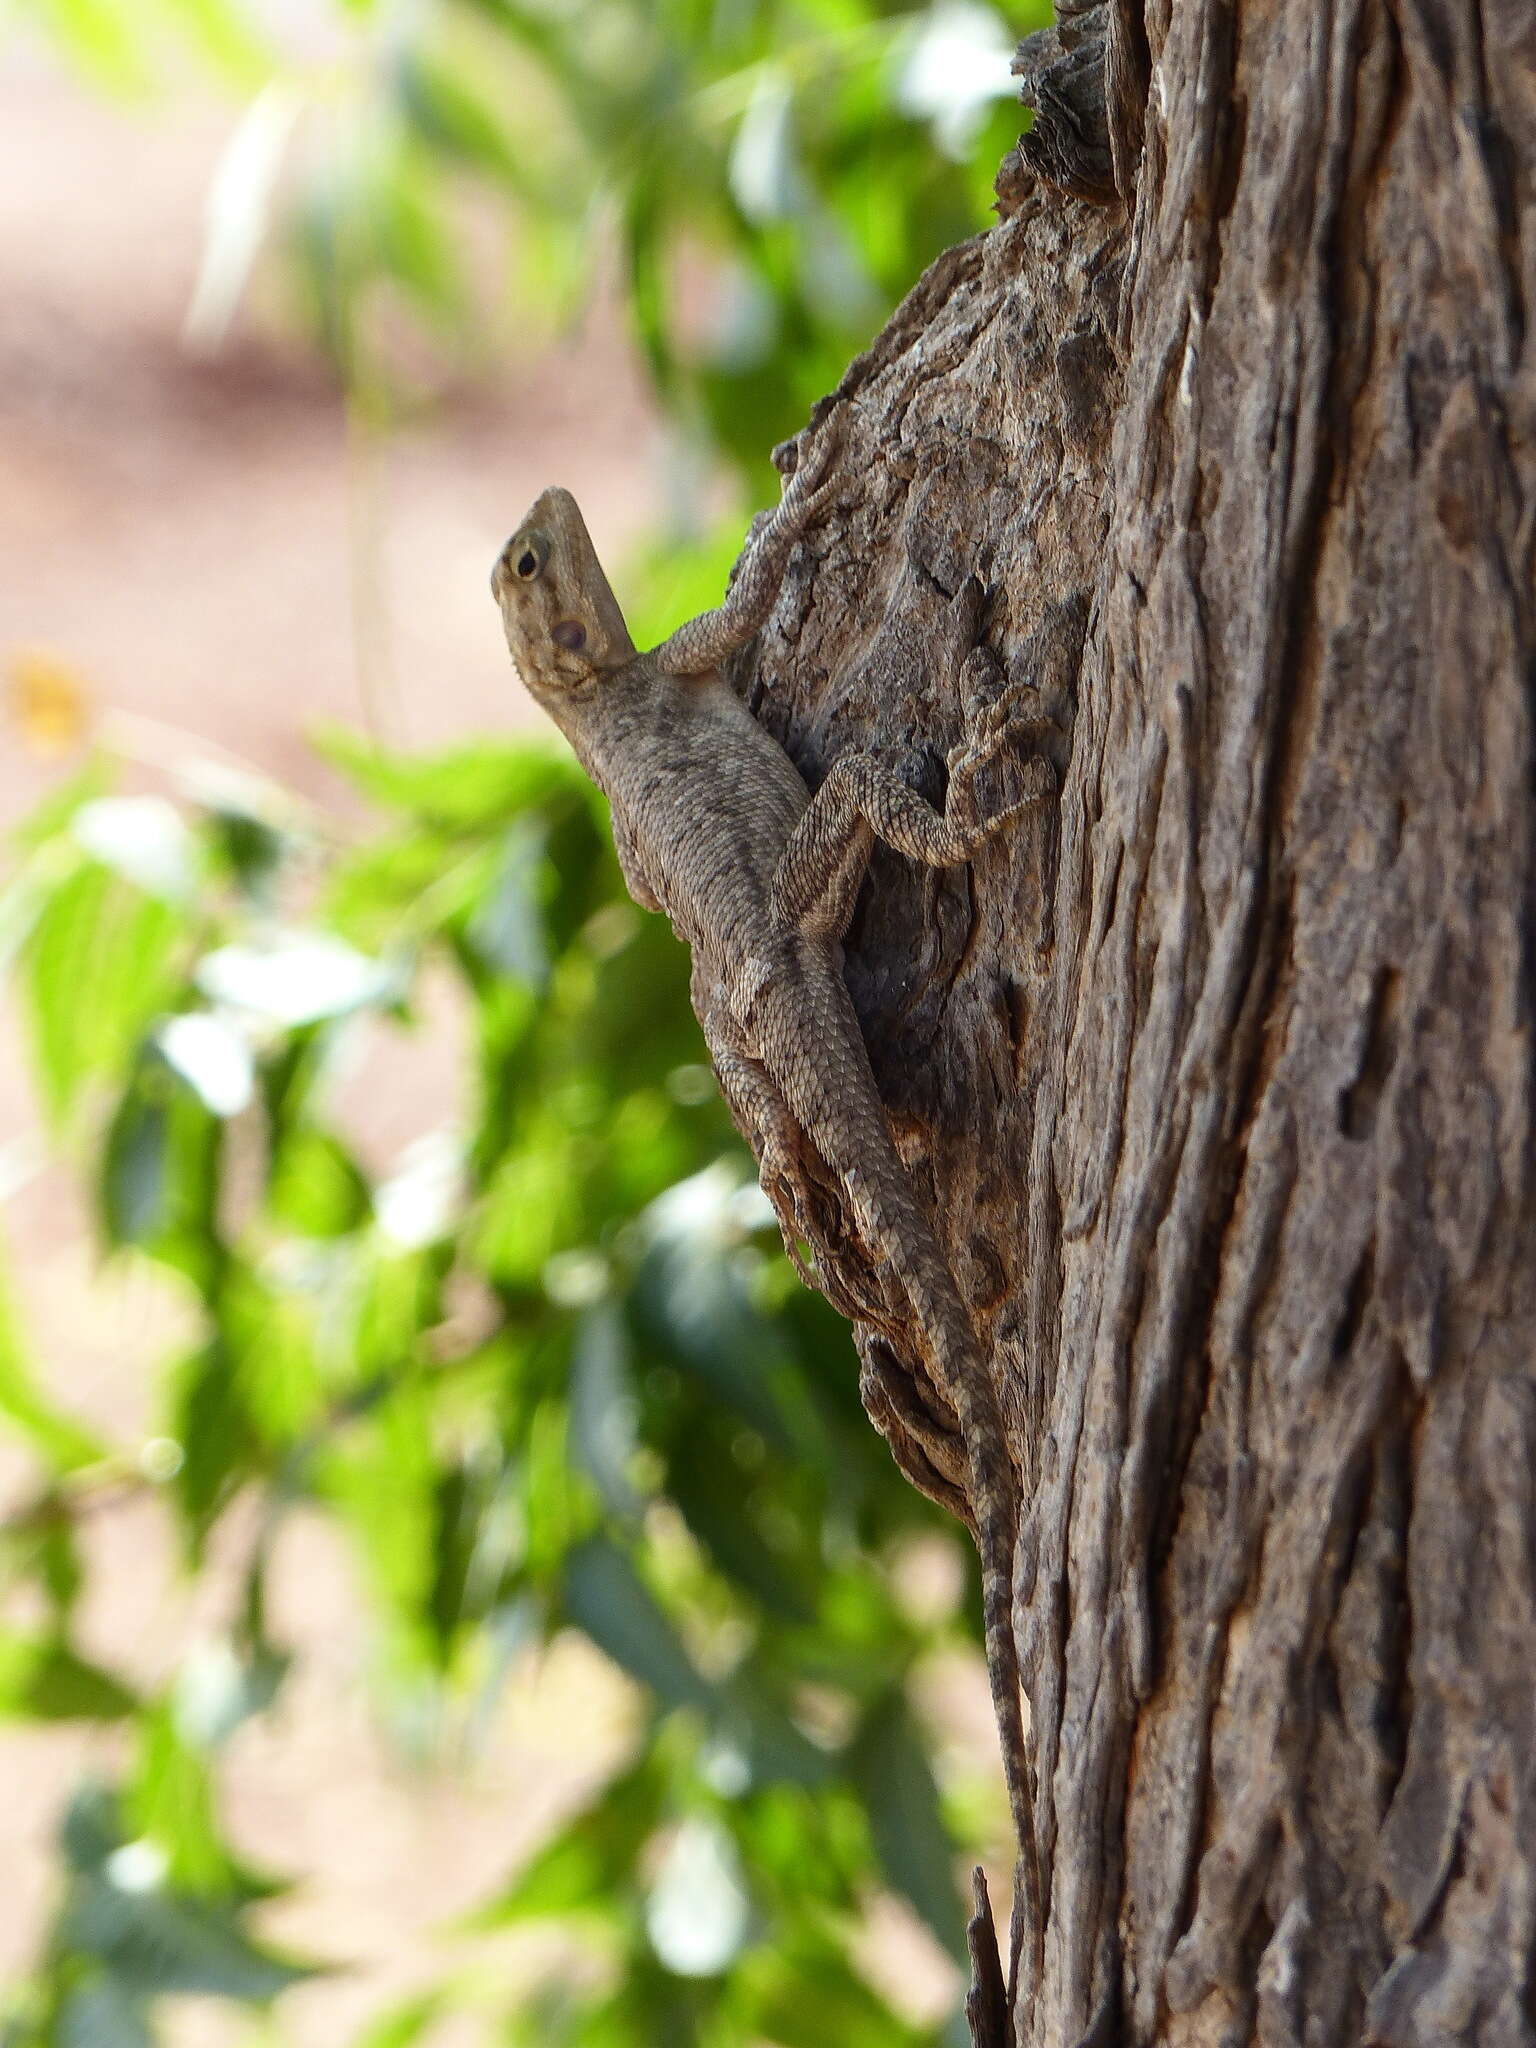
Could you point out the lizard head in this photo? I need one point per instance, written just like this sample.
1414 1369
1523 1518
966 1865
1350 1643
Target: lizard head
563 622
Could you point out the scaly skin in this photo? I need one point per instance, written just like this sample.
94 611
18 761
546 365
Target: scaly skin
715 826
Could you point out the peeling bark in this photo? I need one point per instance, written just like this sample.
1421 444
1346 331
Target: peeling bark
1220 1078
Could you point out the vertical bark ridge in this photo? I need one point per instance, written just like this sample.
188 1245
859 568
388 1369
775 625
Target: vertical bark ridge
1231 1138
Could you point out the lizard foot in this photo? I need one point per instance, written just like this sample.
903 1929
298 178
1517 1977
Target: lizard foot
814 484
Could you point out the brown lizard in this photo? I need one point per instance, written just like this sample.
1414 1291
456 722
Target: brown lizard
715 826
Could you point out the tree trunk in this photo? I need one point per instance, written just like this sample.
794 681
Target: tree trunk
1219 1076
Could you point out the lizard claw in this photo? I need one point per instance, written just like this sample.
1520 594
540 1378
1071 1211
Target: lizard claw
814 484
998 725
995 723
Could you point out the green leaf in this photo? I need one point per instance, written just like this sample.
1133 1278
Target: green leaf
63 1442
160 1172
692 1301
136 1175
603 1407
316 1186
223 38
105 2014
210 1418
405 2026
604 1596
716 1502
382 1476
92 1827
453 115
890 1766
98 969
170 1804
806 1992
158 1943
98 36
507 927
409 227
585 1867
44 1679
463 789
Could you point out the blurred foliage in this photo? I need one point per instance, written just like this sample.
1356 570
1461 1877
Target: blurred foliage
550 1371
762 179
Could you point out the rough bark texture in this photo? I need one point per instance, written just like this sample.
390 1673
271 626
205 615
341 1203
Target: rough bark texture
1220 1079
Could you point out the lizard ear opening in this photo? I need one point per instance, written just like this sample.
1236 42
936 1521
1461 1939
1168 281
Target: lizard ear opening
570 634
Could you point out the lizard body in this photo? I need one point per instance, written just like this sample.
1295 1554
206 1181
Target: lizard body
715 826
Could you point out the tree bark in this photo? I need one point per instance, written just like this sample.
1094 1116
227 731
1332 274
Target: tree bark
1219 1077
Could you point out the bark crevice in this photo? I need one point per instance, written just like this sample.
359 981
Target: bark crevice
1221 1077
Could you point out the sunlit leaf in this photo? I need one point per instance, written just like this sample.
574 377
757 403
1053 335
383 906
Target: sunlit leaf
405 2026
97 34
239 206
697 1911
955 60
47 1680
316 1186
295 978
222 34
452 113
62 1441
420 1200
486 784
144 839
98 934
762 168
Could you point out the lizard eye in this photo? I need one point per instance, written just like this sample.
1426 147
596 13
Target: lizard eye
569 633
532 556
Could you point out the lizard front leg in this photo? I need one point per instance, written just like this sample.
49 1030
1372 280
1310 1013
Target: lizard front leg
820 870
706 641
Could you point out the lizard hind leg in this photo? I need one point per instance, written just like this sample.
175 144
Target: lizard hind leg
817 880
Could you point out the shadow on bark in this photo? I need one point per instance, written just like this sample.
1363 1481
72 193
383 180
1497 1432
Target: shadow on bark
1218 1077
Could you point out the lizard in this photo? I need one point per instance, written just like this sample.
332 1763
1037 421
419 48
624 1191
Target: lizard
715 826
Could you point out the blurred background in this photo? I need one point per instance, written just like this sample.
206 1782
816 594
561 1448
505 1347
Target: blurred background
450 1591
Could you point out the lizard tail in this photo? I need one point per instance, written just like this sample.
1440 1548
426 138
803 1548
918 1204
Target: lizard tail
899 1231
